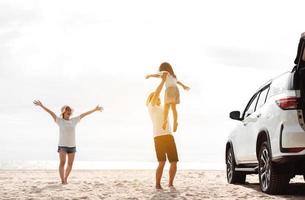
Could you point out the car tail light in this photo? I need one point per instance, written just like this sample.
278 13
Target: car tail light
288 103
295 150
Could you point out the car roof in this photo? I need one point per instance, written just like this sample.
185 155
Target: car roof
271 80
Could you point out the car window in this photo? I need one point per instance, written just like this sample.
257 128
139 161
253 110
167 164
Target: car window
262 98
251 106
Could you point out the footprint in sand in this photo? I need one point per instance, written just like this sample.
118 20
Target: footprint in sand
99 184
189 195
35 189
101 197
119 184
83 197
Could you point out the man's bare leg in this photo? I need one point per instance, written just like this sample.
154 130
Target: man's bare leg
172 173
159 173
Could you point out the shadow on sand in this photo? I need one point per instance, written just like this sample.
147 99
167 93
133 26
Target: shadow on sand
56 186
161 194
295 190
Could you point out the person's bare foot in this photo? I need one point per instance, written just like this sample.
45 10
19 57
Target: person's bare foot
175 126
172 188
158 187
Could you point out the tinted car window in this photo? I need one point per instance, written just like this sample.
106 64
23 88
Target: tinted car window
262 98
251 108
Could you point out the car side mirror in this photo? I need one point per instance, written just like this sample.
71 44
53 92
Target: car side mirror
235 115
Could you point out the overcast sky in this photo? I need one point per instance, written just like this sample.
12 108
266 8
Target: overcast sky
84 53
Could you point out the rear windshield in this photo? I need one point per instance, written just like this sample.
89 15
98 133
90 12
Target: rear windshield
280 84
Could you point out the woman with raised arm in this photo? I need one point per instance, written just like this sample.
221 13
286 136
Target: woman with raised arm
66 144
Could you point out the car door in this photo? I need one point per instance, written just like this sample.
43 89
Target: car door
243 131
255 123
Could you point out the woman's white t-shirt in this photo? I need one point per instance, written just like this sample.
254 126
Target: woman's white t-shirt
156 116
67 131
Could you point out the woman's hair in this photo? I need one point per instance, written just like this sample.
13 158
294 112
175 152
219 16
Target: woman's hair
167 67
64 109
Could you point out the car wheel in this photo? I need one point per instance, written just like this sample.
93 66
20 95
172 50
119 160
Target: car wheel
233 176
271 179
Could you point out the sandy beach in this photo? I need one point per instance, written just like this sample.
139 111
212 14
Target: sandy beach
133 184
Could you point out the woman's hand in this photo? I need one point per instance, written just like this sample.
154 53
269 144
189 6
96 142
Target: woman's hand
147 76
37 103
99 108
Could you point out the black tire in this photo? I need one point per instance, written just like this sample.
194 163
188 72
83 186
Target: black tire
272 179
233 177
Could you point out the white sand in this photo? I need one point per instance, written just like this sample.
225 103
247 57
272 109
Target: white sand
133 184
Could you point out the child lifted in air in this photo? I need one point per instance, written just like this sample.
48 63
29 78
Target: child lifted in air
172 95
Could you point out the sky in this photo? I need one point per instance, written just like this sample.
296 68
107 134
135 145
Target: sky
84 53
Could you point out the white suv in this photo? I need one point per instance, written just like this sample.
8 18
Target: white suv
270 138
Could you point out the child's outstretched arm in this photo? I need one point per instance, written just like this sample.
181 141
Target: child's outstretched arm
38 103
153 76
97 108
184 86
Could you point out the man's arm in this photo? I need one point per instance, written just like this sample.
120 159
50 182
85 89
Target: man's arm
158 89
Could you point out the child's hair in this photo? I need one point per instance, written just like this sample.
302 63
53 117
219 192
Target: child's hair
167 67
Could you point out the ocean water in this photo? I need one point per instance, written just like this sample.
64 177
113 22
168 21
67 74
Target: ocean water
100 165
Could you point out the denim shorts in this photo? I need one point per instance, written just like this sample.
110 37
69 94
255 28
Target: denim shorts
66 149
